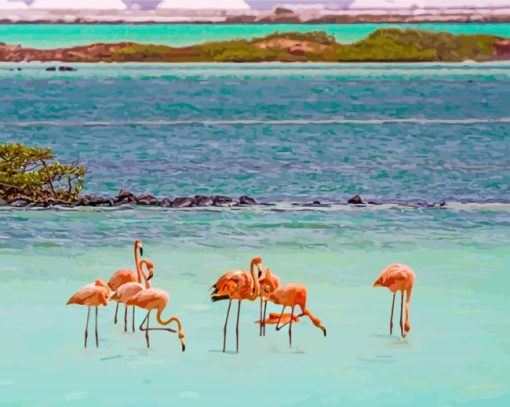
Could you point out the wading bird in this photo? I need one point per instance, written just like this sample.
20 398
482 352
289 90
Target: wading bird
128 290
91 295
289 295
125 276
156 299
398 277
237 285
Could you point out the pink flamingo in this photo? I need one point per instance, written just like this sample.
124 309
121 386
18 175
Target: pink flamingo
125 275
237 285
290 295
128 290
156 299
398 277
91 295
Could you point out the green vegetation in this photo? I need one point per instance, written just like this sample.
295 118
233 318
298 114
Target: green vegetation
382 45
415 45
32 174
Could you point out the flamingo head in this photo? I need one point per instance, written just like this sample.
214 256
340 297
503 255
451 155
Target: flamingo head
181 336
139 246
257 261
267 283
150 267
378 282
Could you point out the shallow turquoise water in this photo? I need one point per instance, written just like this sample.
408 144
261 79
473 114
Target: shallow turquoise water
282 134
60 35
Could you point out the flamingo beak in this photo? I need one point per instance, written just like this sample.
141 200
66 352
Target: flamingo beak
260 269
141 251
151 274
181 338
324 330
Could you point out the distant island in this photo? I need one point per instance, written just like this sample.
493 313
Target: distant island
383 45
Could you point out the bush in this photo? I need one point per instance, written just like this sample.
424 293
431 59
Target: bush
31 173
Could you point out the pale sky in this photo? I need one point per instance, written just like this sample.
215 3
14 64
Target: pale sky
79 4
243 4
12 5
382 4
204 4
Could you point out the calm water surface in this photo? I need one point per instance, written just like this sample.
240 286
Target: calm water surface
63 35
282 133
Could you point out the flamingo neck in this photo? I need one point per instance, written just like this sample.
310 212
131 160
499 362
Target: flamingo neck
142 274
256 291
136 263
168 321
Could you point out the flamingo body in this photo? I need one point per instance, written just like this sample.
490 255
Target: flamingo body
121 277
233 285
91 295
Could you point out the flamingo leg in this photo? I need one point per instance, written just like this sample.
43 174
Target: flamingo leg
147 330
391 317
125 318
87 327
264 319
261 324
116 311
278 326
290 326
97 335
237 325
225 326
133 320
401 313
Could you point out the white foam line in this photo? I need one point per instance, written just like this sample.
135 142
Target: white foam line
289 207
300 122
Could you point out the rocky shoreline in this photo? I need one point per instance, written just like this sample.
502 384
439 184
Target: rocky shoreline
127 198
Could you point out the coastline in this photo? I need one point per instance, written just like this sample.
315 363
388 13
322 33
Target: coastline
385 45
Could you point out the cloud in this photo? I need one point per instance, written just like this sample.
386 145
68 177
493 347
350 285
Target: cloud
384 4
12 5
79 4
204 4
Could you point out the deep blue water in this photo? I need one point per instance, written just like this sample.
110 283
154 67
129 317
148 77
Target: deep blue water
273 131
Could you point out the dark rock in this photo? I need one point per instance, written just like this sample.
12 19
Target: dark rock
49 202
165 203
202 200
247 200
67 69
124 193
183 202
316 202
91 200
51 68
19 203
147 200
125 197
3 202
356 200
220 200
